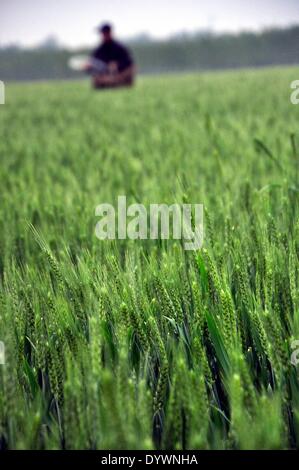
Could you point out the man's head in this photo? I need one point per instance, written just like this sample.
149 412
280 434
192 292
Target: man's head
106 32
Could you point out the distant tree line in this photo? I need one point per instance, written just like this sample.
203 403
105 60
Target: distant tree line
180 53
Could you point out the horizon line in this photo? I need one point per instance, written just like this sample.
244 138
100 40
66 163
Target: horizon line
148 37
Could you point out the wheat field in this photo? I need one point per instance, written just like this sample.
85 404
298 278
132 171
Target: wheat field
141 344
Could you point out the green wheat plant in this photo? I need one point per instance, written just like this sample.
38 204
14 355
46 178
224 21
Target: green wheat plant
122 344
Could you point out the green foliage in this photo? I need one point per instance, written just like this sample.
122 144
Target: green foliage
141 345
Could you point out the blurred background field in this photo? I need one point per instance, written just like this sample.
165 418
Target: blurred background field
183 53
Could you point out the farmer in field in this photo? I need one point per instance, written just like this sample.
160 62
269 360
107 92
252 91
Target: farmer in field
111 64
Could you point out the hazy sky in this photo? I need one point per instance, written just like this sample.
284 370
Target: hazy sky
72 21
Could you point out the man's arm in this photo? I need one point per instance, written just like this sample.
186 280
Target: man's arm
97 53
124 58
129 72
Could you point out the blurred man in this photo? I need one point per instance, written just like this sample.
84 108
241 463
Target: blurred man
111 64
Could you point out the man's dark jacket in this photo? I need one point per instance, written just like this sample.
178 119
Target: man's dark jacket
113 51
